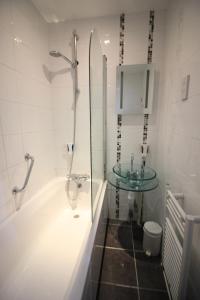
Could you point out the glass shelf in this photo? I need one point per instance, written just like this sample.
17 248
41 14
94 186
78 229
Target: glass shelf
132 185
124 171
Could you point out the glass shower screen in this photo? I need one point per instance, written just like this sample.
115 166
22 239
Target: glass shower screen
96 95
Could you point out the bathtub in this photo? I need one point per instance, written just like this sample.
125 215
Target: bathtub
45 250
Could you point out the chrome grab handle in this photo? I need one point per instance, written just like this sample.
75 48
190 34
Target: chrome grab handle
16 190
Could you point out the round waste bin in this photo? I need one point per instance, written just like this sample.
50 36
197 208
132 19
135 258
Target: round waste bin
152 238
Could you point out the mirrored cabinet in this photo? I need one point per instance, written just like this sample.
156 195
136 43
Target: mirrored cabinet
135 89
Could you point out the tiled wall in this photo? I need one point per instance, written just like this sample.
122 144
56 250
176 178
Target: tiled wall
36 96
179 136
60 38
25 103
135 52
136 47
36 101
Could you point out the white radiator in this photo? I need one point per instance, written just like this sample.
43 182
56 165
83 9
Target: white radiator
177 245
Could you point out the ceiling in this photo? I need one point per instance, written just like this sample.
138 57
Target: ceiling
61 10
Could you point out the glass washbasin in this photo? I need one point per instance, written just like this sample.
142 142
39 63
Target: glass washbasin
136 174
132 177
134 186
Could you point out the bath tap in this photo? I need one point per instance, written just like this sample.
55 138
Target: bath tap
78 178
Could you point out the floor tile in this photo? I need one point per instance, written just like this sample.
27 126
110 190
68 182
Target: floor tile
150 274
119 237
119 267
137 236
153 295
111 292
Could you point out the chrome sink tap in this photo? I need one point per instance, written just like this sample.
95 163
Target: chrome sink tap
132 159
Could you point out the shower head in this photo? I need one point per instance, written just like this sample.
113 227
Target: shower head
58 54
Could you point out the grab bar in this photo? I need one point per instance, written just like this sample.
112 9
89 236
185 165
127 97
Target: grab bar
16 190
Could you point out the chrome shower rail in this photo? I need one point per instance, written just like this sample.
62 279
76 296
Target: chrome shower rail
27 157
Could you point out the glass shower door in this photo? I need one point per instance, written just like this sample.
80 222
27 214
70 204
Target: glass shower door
97 117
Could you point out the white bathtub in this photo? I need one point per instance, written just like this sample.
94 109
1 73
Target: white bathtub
44 250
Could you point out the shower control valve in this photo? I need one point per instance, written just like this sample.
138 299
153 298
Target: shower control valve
70 148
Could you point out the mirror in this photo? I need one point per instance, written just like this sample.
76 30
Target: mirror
135 85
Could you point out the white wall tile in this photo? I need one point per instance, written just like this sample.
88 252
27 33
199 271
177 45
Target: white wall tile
6 210
30 118
26 25
63 119
4 188
178 137
10 117
2 155
8 86
38 143
29 86
136 38
14 149
26 119
5 14
189 24
62 98
83 98
28 63
33 92
159 37
7 47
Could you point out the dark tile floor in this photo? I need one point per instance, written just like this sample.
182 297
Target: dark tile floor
127 273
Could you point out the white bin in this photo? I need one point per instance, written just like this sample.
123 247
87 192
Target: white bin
152 238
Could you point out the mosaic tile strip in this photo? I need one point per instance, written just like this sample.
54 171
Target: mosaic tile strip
121 39
149 61
150 38
119 117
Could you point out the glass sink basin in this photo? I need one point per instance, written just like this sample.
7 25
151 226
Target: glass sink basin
124 171
132 185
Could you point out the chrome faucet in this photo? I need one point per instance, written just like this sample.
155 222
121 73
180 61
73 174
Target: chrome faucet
78 178
132 159
143 165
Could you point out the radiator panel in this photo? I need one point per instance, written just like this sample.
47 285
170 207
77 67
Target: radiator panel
172 259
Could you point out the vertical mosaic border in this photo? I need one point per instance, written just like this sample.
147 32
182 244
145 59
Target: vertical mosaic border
149 61
121 39
150 38
119 117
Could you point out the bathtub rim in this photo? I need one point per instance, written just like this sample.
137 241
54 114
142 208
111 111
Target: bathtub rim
42 193
30 201
78 279
81 266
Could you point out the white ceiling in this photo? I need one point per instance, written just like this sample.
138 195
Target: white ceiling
61 10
